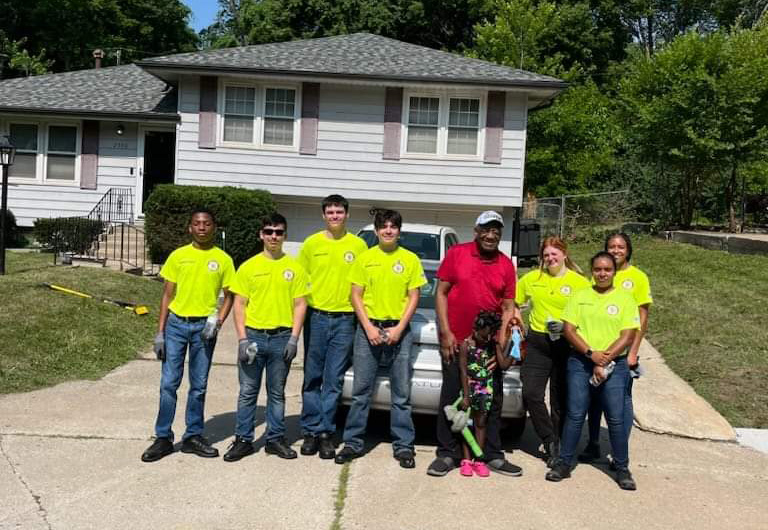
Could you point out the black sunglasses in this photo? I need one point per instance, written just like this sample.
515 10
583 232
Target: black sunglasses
270 231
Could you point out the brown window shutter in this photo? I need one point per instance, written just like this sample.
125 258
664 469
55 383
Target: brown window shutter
206 138
310 112
89 155
393 115
494 127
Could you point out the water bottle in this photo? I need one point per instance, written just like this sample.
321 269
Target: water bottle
251 352
514 345
211 326
608 371
552 336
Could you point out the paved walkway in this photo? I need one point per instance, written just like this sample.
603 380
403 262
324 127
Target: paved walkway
69 458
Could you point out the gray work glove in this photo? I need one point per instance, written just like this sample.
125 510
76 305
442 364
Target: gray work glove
159 345
555 326
245 354
290 348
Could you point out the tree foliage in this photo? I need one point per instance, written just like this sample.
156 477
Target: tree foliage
66 32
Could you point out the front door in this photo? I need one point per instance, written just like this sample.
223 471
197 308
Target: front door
158 162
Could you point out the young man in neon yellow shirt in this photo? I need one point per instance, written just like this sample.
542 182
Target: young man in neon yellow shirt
386 281
327 256
270 303
194 274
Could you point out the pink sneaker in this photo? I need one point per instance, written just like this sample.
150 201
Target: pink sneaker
466 468
480 469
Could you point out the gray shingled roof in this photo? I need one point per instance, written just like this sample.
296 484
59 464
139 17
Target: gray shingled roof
118 90
359 55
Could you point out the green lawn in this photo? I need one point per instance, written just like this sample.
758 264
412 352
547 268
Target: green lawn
710 322
47 337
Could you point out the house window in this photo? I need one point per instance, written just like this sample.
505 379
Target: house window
279 112
260 116
423 124
443 125
239 106
24 137
62 153
463 126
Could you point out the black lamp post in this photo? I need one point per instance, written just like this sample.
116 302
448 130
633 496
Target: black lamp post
7 154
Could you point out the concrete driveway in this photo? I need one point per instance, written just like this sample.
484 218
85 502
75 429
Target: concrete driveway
70 459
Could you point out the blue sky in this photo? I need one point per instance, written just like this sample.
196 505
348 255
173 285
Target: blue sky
203 12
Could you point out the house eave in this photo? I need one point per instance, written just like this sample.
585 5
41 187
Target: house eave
170 73
91 114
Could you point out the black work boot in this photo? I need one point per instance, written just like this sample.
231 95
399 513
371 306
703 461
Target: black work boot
160 447
559 471
327 447
199 446
280 448
310 445
624 479
238 449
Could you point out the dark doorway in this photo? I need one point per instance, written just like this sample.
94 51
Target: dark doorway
159 159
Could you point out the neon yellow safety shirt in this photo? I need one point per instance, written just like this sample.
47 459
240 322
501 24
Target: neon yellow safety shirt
634 281
600 318
387 277
327 261
548 295
270 285
199 275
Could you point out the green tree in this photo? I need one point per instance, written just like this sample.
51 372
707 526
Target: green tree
71 29
15 59
697 112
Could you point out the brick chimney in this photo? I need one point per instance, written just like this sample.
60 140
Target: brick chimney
98 55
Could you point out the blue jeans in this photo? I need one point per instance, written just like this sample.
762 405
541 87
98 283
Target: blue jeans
611 396
365 361
328 349
180 335
596 413
270 356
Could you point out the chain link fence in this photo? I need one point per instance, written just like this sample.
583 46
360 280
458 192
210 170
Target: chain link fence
584 217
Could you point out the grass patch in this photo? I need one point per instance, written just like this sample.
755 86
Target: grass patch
48 337
341 497
709 321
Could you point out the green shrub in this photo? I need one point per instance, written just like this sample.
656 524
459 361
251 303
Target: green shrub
238 212
68 234
14 236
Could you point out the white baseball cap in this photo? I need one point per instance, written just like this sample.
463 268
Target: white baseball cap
488 217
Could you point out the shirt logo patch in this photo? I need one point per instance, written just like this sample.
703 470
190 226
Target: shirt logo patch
349 257
213 266
398 267
565 290
288 275
627 284
612 309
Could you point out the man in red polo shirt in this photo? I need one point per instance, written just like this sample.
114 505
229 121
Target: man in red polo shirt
474 277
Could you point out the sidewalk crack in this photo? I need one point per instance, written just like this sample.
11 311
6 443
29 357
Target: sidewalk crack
40 509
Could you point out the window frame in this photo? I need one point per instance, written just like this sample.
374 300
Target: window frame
260 104
444 97
41 160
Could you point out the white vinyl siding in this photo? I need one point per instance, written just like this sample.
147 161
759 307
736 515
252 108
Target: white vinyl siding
350 138
443 125
260 116
30 199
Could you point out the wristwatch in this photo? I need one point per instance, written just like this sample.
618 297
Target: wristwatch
588 353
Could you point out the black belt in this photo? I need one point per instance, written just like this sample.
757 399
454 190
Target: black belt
189 319
270 331
334 314
384 323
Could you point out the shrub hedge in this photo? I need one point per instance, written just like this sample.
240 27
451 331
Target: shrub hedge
67 234
238 213
14 237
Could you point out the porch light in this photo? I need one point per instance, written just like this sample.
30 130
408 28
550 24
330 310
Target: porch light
120 129
7 154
